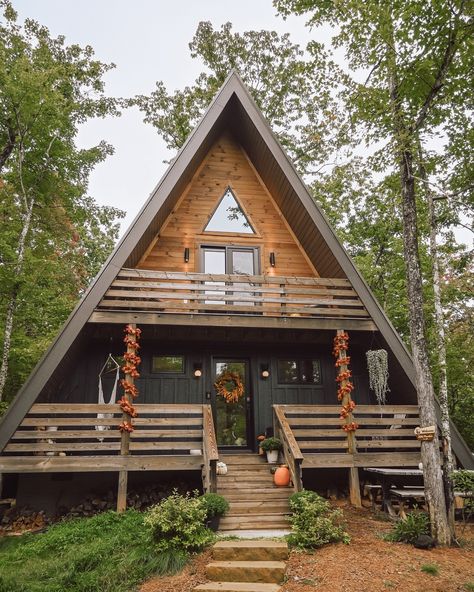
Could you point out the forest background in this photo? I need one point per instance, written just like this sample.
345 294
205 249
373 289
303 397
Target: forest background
328 101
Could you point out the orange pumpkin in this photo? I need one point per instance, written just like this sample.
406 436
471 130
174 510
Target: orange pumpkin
282 476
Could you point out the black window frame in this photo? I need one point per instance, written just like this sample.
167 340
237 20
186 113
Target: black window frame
299 370
168 372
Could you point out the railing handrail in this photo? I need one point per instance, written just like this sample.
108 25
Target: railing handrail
210 450
291 449
234 278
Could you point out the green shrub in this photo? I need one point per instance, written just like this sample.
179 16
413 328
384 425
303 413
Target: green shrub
177 524
271 444
215 505
463 482
408 530
313 522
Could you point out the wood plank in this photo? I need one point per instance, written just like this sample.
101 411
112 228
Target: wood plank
231 296
328 460
102 434
258 279
98 446
196 307
80 464
92 421
77 408
320 323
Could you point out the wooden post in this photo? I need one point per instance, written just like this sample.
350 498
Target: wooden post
125 443
354 485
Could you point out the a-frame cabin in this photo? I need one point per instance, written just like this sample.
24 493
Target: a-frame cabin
230 267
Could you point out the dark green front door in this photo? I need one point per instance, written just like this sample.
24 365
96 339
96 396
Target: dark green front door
231 402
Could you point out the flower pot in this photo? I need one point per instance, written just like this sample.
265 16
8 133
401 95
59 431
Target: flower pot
213 523
272 456
282 477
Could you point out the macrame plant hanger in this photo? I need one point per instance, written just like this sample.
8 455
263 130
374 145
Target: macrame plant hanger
113 396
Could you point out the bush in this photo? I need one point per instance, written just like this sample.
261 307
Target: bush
314 523
408 530
215 505
177 524
463 482
271 444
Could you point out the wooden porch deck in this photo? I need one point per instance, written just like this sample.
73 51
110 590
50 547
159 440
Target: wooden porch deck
84 437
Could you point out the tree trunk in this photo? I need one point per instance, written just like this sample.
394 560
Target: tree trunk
7 333
433 479
403 140
448 461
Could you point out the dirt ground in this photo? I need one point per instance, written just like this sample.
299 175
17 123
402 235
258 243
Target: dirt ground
367 564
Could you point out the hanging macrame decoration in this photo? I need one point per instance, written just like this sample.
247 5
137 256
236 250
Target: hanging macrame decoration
377 365
111 366
230 387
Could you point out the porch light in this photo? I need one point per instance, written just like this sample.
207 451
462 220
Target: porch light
264 371
272 259
186 255
198 370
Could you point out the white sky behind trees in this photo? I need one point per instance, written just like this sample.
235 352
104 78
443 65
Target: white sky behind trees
148 41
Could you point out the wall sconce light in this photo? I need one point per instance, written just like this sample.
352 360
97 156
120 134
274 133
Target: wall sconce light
198 370
264 371
186 255
272 259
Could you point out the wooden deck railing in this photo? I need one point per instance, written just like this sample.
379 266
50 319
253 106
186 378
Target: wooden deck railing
385 436
198 293
210 452
71 437
291 450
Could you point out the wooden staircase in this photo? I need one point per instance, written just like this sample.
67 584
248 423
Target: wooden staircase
255 502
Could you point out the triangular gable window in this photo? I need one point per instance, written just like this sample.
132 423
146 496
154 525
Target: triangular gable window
229 217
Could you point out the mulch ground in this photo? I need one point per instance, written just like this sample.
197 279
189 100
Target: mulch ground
367 564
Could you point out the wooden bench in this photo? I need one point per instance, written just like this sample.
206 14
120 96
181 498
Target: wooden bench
406 495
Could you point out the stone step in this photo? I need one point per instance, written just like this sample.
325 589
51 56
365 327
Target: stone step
246 571
252 550
237 587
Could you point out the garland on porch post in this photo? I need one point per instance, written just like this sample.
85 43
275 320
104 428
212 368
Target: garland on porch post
341 345
132 361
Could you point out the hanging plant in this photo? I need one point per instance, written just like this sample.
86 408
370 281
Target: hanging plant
229 386
377 365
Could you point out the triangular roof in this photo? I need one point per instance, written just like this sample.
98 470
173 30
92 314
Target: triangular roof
233 108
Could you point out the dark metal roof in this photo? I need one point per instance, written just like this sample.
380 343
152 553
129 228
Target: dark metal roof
233 108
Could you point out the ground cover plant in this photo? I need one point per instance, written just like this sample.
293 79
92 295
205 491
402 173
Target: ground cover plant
408 530
108 552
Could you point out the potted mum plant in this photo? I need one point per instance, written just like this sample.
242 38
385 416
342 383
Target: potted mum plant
216 506
272 447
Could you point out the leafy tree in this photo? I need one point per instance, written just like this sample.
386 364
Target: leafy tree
53 236
417 55
294 92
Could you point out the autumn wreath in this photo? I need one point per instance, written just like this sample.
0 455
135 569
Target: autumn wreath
229 386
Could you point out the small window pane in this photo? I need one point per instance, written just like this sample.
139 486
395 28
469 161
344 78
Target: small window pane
229 217
287 371
170 364
310 372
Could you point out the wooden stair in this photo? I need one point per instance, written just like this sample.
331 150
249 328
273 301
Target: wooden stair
255 502
246 566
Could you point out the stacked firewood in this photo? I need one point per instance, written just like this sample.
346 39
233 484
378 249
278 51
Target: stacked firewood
17 520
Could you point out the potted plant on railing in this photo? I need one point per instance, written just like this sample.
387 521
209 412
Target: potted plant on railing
216 506
272 447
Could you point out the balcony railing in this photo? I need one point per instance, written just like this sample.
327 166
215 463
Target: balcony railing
264 295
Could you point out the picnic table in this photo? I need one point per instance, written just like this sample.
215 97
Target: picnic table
389 478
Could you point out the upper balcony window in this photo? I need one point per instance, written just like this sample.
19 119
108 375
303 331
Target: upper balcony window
229 217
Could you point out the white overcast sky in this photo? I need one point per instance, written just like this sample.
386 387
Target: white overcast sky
148 41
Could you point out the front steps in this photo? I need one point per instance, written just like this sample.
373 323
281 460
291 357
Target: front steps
246 566
255 502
